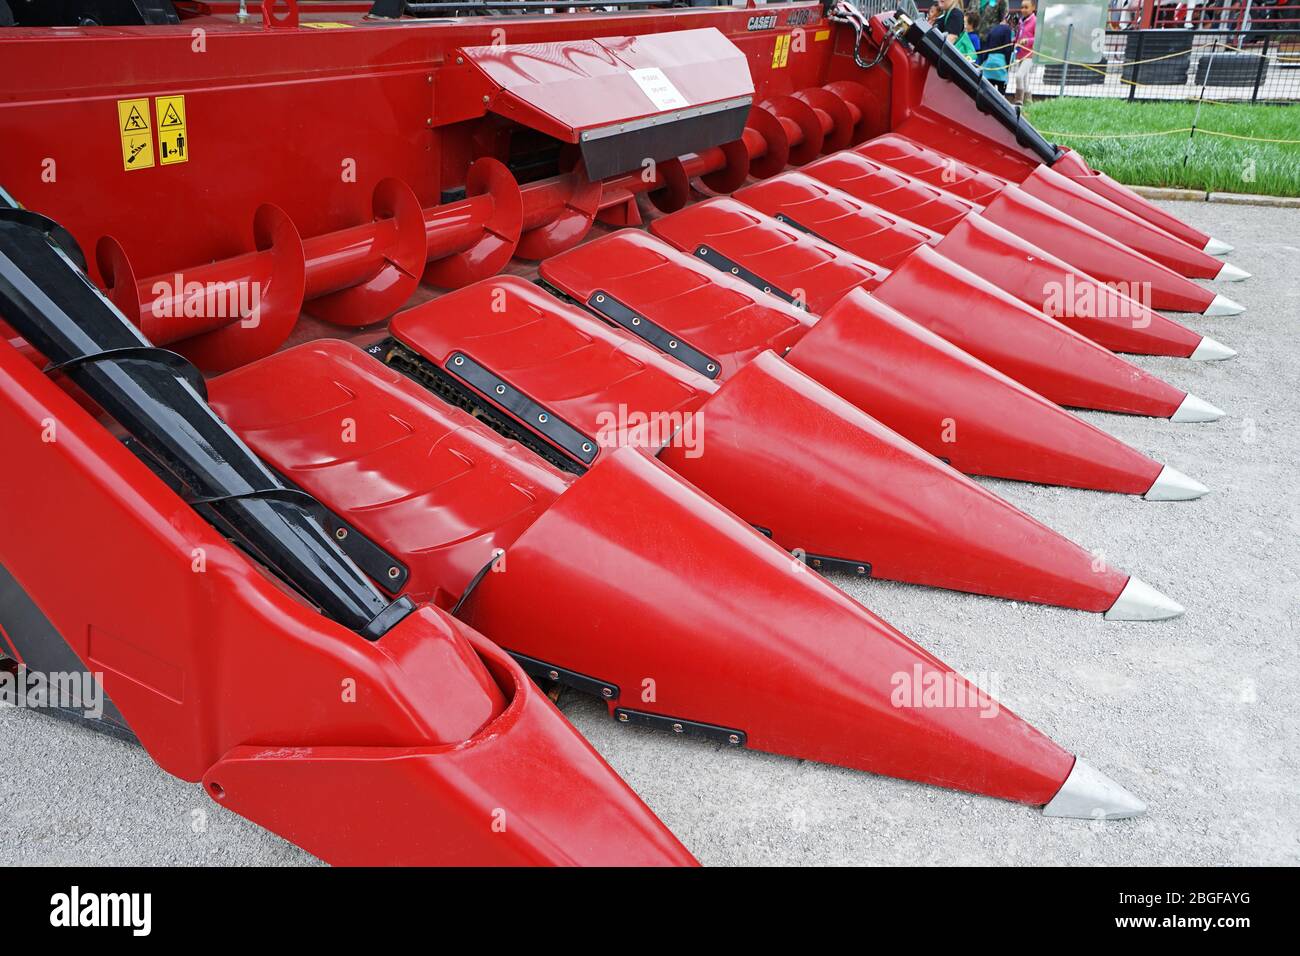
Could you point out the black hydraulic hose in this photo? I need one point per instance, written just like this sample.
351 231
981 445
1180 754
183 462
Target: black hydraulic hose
53 305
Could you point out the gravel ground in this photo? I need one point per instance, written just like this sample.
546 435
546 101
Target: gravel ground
1198 716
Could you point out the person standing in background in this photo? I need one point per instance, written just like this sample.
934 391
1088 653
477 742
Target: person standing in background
951 21
1025 53
989 12
996 52
968 44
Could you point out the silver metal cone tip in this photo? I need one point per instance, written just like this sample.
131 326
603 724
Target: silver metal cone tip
1230 273
1222 305
1211 350
1217 247
1194 409
1172 485
1139 601
1089 794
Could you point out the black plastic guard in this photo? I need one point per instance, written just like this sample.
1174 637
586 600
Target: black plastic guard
35 651
955 68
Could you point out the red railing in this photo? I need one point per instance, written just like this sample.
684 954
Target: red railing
1251 17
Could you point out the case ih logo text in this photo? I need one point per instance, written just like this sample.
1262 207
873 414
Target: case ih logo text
74 908
761 23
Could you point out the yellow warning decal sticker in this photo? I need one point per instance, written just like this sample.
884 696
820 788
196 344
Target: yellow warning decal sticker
822 35
137 133
781 52
327 25
173 140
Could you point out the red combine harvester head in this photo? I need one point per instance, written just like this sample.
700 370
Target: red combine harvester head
564 350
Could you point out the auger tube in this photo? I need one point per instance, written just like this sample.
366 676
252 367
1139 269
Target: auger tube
53 305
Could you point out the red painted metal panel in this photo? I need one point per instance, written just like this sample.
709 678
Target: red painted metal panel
310 120
425 480
791 262
686 524
527 790
428 685
969 311
872 496
834 215
1101 312
772 445
1094 252
720 315
1065 195
1017 339
581 369
1074 166
1072 197
891 190
1098 310
931 166
565 88
897 371
719 629
1083 247
959 408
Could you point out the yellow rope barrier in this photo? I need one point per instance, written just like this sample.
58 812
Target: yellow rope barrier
1166 56
1268 56
1101 70
1200 130
1154 59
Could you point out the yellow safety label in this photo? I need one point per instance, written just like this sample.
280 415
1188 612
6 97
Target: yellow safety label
173 140
781 53
822 35
326 25
137 133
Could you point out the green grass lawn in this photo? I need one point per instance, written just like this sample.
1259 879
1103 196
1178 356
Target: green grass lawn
1212 162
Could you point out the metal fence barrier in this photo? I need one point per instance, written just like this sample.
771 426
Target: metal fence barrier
1230 51
1178 64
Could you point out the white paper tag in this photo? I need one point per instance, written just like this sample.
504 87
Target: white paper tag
659 89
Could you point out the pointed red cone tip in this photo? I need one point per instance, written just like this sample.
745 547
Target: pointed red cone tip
909 377
957 749
1139 601
1222 305
1172 485
1194 409
1058 191
863 350
1088 794
882 502
1211 350
731 635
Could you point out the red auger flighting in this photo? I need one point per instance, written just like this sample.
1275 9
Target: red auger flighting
553 349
